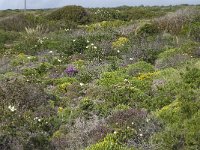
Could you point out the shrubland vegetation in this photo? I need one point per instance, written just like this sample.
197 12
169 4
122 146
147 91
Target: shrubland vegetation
121 78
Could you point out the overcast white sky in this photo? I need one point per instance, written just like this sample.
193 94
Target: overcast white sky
32 4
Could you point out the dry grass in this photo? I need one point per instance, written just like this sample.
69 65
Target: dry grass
173 22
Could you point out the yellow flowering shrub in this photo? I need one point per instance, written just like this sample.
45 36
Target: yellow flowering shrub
63 86
148 75
104 25
119 43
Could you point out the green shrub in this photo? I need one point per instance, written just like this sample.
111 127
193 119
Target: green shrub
195 31
30 72
22 59
79 45
192 76
121 107
93 52
172 58
104 25
138 68
18 22
64 80
109 143
76 14
86 105
111 78
126 95
7 36
181 123
43 68
146 29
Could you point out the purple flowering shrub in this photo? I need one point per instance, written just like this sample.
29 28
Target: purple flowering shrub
71 71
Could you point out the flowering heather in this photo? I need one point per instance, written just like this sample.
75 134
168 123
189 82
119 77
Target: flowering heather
71 71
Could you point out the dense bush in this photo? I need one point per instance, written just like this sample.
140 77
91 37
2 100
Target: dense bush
138 68
174 22
146 29
18 22
76 14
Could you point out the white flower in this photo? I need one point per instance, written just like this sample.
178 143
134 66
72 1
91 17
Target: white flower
128 127
88 41
132 123
115 132
74 40
87 47
130 58
81 84
92 44
118 51
125 80
40 41
147 120
36 118
59 60
141 134
95 47
50 52
12 108
28 57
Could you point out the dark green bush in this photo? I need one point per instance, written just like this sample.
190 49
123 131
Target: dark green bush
192 76
76 14
195 31
146 29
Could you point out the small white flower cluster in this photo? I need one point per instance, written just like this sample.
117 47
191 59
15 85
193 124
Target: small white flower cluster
45 38
125 80
59 60
67 30
141 135
81 84
40 41
92 46
38 119
50 52
131 59
12 108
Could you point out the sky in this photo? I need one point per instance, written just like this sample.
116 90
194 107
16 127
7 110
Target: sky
35 4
